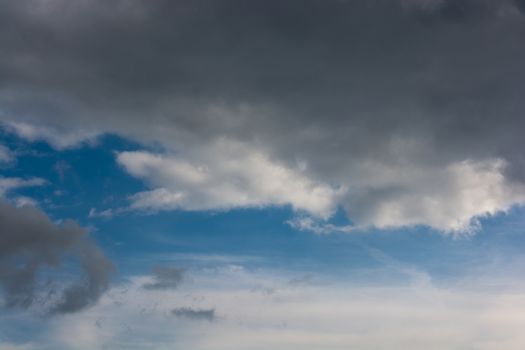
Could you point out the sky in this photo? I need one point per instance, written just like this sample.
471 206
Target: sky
253 175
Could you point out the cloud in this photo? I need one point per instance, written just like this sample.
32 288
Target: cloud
383 197
33 244
165 277
97 268
451 199
195 314
521 5
12 183
306 223
22 201
358 95
14 346
333 314
229 176
58 139
105 214
461 194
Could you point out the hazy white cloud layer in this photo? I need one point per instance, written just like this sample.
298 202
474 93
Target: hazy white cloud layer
404 112
230 308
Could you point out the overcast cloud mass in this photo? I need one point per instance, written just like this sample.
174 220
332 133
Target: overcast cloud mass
373 101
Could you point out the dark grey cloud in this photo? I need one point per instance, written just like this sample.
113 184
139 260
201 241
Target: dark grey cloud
166 277
370 66
521 5
31 245
195 314
354 89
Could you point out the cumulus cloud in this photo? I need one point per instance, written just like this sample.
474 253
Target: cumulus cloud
229 176
357 93
31 244
450 199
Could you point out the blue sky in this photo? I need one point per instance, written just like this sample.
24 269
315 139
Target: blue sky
206 175
87 177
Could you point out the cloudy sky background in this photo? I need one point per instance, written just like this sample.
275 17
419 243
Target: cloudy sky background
266 174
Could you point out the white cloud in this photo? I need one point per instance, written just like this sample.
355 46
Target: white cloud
451 198
306 223
106 214
22 201
11 183
223 176
226 175
58 139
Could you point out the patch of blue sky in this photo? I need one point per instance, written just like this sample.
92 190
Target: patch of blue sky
88 176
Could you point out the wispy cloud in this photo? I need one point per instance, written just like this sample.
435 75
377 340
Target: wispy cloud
58 139
12 183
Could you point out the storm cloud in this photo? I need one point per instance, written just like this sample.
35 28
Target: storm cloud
31 246
410 111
